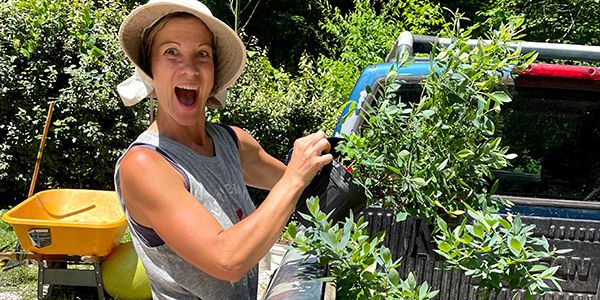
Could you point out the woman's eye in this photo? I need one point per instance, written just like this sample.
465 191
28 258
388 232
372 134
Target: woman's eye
171 51
202 53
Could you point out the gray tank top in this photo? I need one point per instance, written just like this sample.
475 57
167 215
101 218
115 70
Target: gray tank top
216 182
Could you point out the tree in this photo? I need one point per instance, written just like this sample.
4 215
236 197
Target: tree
558 21
65 51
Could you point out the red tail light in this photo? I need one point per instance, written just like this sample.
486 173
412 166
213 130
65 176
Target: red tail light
549 76
562 71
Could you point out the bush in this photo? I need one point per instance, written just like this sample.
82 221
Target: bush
365 35
277 107
501 252
72 56
432 157
359 265
7 235
65 51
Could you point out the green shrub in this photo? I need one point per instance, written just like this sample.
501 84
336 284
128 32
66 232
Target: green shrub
277 107
65 51
359 265
430 158
559 21
433 159
366 34
501 252
7 235
361 37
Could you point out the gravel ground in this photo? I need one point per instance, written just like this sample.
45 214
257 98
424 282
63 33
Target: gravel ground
9 296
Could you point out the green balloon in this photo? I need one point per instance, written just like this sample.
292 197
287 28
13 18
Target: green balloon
124 276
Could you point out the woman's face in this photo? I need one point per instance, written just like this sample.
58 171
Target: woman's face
183 69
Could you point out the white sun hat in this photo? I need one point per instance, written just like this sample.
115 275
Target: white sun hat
230 51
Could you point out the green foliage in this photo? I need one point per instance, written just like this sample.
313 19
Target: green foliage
360 267
433 160
7 235
66 51
277 107
126 236
20 282
274 106
432 157
501 252
366 34
559 21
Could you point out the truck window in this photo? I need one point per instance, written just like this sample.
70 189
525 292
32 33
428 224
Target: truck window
556 135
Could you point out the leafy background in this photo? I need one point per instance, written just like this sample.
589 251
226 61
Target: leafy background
304 57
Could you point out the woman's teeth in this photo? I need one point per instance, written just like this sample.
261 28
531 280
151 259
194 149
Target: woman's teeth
186 95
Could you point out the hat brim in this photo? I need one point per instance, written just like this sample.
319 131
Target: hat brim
230 51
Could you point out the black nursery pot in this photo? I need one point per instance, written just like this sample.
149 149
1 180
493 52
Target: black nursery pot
337 193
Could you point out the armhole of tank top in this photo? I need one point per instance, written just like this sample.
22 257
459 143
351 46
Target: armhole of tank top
147 235
232 133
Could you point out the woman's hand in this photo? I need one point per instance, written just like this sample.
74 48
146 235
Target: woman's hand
310 154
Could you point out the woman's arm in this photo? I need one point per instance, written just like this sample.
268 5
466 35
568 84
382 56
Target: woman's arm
156 197
260 169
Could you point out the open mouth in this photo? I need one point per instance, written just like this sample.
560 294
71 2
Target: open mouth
186 95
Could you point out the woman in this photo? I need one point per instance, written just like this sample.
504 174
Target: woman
182 182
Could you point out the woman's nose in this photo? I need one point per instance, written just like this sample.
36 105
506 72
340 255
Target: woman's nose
189 66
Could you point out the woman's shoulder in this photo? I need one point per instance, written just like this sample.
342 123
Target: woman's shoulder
141 159
143 152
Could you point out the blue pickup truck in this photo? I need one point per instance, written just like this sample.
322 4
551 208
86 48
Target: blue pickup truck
553 123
